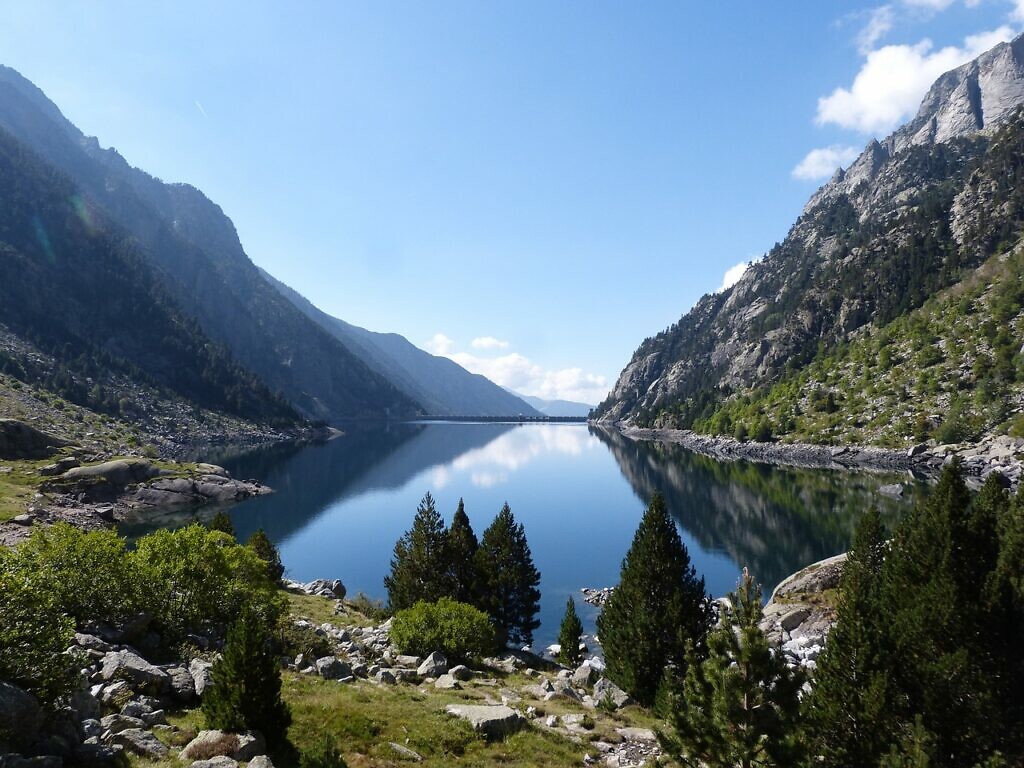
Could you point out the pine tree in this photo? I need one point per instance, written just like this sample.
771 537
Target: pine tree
850 706
420 566
508 580
462 547
221 521
943 661
913 750
658 607
261 544
740 706
245 688
569 636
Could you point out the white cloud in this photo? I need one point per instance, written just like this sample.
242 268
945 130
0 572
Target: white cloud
880 21
439 345
822 162
733 274
894 78
1017 14
488 342
931 5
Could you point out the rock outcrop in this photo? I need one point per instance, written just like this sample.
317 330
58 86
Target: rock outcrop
22 441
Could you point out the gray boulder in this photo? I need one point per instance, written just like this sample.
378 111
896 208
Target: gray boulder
133 669
200 670
447 682
242 746
584 676
116 723
332 668
434 665
606 690
494 722
461 672
183 686
140 742
221 761
261 761
20 441
20 713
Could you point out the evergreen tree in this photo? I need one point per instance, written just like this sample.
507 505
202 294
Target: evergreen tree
508 580
221 521
462 547
658 607
740 706
261 544
569 636
943 661
913 750
849 709
245 687
419 567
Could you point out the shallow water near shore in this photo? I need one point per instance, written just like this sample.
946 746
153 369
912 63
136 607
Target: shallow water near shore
578 490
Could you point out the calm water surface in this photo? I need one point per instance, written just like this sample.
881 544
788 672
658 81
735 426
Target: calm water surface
579 491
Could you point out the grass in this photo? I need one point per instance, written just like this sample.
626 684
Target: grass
19 486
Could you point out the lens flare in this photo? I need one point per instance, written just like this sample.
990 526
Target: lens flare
44 240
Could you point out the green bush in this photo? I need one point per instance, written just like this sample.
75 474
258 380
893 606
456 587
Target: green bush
457 630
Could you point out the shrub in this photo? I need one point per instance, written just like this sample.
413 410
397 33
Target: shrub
457 630
323 754
375 610
261 544
293 640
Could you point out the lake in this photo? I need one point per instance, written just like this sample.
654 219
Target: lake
579 490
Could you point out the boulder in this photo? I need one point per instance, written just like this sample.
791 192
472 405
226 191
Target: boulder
447 682
637 734
405 753
584 675
606 690
434 665
20 441
242 746
261 761
20 713
221 761
409 662
494 722
133 669
140 742
117 723
200 671
461 672
183 686
332 668
331 588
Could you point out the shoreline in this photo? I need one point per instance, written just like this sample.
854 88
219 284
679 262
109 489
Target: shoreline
1003 455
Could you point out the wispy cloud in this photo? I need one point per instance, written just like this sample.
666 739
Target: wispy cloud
734 273
880 21
200 108
488 342
439 344
822 162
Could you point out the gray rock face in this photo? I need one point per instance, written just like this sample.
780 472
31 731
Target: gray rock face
135 670
447 682
461 672
20 713
200 671
494 722
584 676
606 690
21 441
332 668
434 665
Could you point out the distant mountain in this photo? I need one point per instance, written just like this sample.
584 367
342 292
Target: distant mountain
558 407
785 352
77 286
439 385
200 262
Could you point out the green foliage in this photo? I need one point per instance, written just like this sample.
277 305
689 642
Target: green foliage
265 550
420 567
375 610
462 547
912 750
323 754
658 607
850 708
457 630
245 688
740 706
221 521
196 579
34 632
569 636
508 580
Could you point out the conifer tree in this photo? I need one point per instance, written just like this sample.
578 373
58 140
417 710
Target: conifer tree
420 565
462 547
850 710
508 580
221 521
569 636
740 706
658 607
245 687
261 544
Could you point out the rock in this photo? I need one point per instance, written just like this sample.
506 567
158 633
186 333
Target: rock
96 754
409 662
385 676
494 722
434 665
238 746
261 761
405 752
220 761
584 675
200 671
183 686
447 682
461 672
23 519
116 694
637 734
92 642
20 713
917 450
332 668
794 618
894 490
140 742
606 690
133 669
332 588
20 441
117 723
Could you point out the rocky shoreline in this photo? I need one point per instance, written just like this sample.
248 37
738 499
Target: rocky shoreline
1001 454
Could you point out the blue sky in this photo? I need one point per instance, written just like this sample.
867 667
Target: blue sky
530 188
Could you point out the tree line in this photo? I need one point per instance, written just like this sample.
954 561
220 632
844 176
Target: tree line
923 666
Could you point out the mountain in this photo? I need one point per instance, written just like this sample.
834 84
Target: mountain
908 223
196 255
558 407
439 385
77 286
